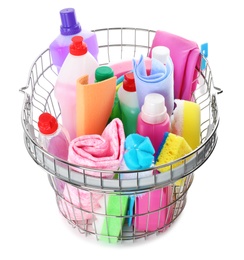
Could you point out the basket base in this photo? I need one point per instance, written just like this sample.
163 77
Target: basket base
114 216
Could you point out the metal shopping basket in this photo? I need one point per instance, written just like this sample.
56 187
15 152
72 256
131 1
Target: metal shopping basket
106 208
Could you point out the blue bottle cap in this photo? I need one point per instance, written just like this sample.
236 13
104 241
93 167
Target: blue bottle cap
69 24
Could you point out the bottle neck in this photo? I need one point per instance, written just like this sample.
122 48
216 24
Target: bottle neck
154 119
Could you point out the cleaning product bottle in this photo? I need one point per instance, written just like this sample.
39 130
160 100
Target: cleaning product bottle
153 120
129 103
161 53
78 62
52 136
106 72
54 139
103 72
59 48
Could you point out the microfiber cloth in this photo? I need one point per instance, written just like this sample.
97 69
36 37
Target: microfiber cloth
152 210
94 104
186 57
104 152
78 204
159 81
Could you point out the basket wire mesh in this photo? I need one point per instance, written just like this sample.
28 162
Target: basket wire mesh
77 192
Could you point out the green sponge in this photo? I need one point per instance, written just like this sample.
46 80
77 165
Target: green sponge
114 219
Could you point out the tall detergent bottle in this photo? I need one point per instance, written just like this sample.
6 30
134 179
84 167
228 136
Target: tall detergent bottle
153 120
79 62
129 103
59 48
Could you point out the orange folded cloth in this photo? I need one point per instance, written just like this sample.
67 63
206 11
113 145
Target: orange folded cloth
94 104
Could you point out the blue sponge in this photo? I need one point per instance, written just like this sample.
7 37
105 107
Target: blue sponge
138 152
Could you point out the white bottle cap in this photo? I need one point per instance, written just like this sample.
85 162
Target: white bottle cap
154 110
161 53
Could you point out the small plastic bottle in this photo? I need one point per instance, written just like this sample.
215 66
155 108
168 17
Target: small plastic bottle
78 62
153 120
103 72
129 103
53 137
161 53
59 48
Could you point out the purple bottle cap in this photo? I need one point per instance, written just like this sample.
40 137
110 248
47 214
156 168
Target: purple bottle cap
69 24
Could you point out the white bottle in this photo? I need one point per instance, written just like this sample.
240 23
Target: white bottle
78 62
52 136
54 139
161 53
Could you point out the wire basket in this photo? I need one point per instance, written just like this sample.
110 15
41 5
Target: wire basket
116 210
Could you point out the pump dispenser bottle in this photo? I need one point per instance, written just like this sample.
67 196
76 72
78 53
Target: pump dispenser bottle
59 48
79 62
153 120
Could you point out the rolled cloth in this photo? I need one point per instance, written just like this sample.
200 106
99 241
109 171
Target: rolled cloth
99 152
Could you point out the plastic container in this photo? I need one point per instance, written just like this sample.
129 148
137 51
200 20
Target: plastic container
161 53
70 27
52 136
129 103
153 120
54 139
78 62
103 72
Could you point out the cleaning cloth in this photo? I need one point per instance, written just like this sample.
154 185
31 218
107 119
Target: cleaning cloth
78 204
94 104
102 152
186 58
160 80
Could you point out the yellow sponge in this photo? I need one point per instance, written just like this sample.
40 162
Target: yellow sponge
186 121
172 148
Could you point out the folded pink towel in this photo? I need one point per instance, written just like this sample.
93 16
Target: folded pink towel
79 204
185 55
103 152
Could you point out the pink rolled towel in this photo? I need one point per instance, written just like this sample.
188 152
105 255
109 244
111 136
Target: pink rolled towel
103 152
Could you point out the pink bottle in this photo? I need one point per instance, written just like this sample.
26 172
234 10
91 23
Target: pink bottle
79 62
59 48
153 120
54 139
52 136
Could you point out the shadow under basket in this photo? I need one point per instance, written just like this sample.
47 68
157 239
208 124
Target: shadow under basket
117 210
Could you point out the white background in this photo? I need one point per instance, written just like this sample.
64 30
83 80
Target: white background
211 225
